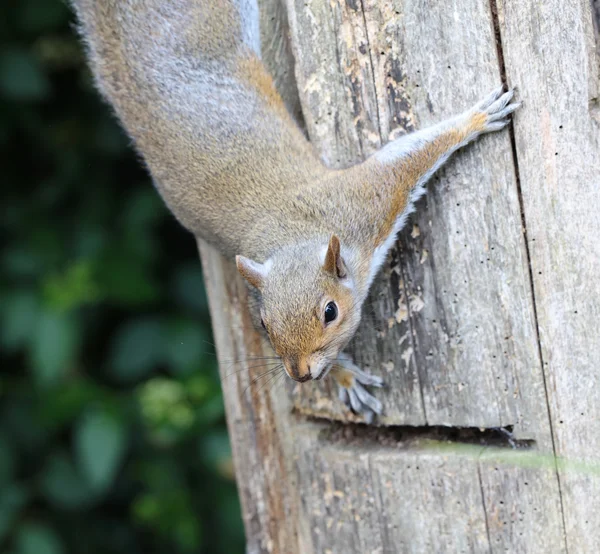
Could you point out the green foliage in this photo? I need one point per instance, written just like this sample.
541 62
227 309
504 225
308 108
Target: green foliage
38 539
112 431
100 441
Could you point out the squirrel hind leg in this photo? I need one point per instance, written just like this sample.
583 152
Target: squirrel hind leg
351 381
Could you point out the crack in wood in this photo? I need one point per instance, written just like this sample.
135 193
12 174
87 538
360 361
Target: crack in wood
485 515
401 260
595 100
405 436
364 18
596 19
511 130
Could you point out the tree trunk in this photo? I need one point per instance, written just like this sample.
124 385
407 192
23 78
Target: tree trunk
484 322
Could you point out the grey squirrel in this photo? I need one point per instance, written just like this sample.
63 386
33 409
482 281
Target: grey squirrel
186 80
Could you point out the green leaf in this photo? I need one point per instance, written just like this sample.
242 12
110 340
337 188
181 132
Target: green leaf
22 426
123 278
54 348
186 344
74 287
137 349
22 77
19 312
21 262
142 210
215 449
63 486
60 406
12 500
35 538
212 411
100 444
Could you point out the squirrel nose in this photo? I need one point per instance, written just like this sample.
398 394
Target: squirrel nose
298 371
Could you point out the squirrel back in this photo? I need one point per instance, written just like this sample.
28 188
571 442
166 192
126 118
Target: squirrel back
186 80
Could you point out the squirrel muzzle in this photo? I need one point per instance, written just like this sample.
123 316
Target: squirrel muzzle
298 369
304 369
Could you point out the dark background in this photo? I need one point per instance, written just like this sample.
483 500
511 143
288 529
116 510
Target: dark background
112 430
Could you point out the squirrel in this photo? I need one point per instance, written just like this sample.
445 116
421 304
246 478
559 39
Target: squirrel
186 80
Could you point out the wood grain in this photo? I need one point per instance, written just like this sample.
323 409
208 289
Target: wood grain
396 496
550 50
256 418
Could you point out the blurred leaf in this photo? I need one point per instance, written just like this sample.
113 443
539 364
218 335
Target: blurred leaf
199 387
143 209
90 240
166 409
58 52
63 486
12 500
54 347
19 311
146 508
215 451
187 532
123 279
34 538
205 392
161 474
21 76
137 349
100 441
170 511
73 288
20 262
20 425
186 343
61 405
212 411
233 533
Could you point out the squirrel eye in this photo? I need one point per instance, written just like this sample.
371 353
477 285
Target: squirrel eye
331 312
262 322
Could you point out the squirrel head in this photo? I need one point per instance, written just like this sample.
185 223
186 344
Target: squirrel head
309 306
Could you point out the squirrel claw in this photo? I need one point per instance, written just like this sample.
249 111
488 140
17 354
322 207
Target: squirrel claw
497 107
352 401
352 381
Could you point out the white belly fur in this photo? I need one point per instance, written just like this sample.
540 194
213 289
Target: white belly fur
381 252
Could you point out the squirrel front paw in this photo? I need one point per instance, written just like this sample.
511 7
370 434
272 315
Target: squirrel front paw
352 381
495 109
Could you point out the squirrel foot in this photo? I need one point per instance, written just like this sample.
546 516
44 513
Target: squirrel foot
351 381
497 107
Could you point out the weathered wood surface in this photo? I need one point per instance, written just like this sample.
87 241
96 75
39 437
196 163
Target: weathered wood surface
310 488
550 50
453 328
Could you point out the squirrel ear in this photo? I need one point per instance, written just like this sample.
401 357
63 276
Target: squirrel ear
334 263
252 271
